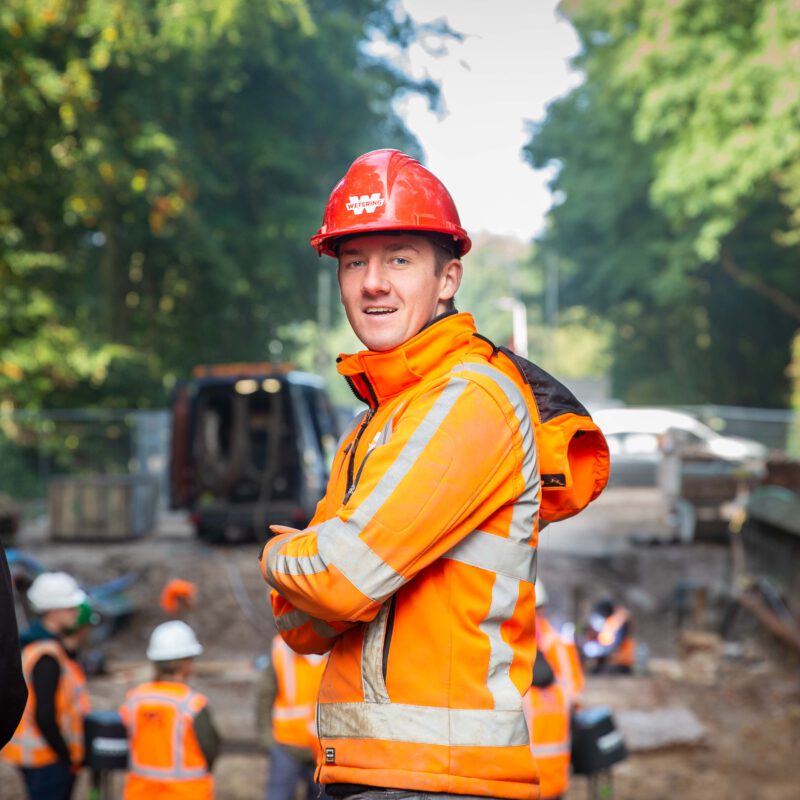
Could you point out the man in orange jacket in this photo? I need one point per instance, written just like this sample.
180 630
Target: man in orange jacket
173 740
286 720
417 569
47 745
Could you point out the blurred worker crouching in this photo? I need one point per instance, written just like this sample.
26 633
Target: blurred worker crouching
556 686
178 598
608 646
286 720
173 740
48 745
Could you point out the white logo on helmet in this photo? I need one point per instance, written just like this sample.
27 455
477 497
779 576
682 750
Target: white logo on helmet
359 203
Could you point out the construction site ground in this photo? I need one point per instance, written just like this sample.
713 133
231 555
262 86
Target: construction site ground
703 718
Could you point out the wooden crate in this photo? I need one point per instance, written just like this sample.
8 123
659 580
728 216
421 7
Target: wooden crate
102 506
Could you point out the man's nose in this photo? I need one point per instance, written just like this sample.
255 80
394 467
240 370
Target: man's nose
375 281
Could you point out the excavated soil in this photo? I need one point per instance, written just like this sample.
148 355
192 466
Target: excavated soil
745 694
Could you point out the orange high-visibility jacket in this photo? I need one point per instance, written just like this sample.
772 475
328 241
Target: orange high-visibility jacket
295 709
548 711
28 748
165 758
418 570
562 656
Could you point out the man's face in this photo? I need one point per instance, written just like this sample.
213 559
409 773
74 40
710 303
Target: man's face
390 289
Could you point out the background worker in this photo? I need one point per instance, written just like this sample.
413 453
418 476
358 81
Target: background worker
48 744
418 566
286 720
173 740
556 685
609 645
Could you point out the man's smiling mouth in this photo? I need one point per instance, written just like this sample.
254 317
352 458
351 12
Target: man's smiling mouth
379 310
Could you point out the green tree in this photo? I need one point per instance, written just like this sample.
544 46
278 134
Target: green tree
163 166
678 192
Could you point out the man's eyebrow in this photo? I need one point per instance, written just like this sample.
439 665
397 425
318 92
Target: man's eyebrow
407 246
392 248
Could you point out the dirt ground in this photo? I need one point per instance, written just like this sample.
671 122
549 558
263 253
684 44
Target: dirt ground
746 696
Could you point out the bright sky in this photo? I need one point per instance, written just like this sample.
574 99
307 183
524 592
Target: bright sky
512 62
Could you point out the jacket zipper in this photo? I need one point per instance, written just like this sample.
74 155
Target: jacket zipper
352 478
387 638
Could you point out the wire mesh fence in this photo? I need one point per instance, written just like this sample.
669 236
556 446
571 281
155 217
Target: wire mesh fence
39 447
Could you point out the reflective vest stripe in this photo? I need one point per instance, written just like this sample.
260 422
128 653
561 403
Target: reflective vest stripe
505 594
372 659
399 722
497 554
556 749
295 619
295 712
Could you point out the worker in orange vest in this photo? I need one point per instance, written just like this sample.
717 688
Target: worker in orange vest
173 740
559 648
48 743
286 720
609 645
556 685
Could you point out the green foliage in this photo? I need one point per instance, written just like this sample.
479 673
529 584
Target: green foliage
163 166
678 192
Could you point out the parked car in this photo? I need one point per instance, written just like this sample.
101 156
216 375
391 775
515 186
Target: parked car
251 445
638 437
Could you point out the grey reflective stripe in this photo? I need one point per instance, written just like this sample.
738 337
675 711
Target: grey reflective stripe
293 712
505 594
286 671
294 565
527 504
296 618
497 554
182 710
512 562
340 545
395 722
372 658
558 749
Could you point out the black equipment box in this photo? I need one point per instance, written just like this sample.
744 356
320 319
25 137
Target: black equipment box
596 743
106 741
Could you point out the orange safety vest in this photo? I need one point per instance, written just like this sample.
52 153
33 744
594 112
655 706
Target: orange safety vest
165 758
418 569
548 710
294 710
562 655
28 748
625 654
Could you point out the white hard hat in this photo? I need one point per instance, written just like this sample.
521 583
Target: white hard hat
541 594
53 590
173 640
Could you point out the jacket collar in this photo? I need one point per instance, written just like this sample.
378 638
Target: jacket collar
377 376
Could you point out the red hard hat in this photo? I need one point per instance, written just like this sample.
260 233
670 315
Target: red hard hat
386 190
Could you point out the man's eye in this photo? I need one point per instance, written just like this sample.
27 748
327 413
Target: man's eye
400 261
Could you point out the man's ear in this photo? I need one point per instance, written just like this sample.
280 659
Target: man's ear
451 279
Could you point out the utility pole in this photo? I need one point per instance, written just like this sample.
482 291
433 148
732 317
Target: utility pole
519 323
